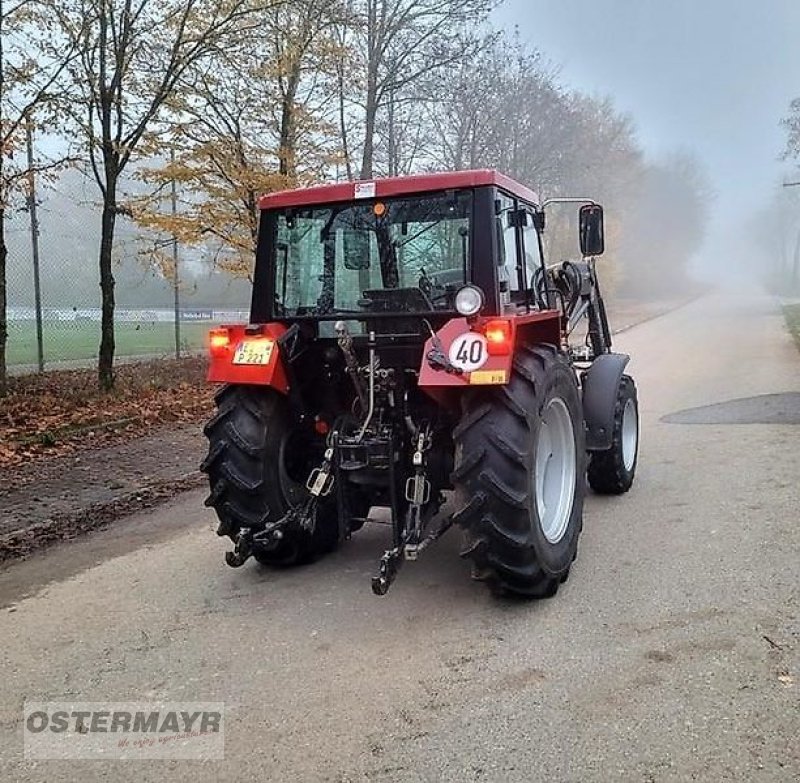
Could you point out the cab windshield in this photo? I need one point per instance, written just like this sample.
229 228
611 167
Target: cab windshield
395 255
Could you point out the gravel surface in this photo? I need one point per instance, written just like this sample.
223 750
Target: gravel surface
671 654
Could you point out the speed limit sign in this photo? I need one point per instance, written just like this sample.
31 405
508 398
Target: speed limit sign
468 352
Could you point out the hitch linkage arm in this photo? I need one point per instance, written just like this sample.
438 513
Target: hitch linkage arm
411 542
393 558
319 484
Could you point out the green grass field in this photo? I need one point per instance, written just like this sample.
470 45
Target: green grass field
792 313
69 341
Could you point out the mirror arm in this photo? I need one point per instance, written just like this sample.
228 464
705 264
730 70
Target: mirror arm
569 200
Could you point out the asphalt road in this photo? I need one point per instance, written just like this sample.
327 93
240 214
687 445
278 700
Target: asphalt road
670 654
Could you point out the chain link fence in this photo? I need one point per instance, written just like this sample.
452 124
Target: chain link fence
68 313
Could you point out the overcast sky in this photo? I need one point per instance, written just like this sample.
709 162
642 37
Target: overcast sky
709 76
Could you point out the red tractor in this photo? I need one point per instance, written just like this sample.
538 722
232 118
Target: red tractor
407 338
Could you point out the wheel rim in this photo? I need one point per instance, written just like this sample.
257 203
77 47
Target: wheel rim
630 434
556 466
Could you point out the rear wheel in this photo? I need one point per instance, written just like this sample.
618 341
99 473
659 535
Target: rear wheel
611 472
520 475
257 465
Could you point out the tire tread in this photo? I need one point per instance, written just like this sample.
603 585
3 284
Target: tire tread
243 490
491 477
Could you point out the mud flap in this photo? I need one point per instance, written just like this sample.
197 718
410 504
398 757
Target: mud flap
600 384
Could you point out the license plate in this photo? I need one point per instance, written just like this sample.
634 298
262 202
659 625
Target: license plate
253 352
489 377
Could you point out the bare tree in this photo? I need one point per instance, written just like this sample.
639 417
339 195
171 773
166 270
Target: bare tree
407 123
398 42
133 54
507 109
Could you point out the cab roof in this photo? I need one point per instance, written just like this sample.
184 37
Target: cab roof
394 186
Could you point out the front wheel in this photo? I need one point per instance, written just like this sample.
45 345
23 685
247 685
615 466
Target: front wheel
611 472
520 475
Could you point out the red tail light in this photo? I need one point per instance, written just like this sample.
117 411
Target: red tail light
218 340
499 337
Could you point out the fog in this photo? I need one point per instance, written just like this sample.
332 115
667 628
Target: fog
667 111
711 78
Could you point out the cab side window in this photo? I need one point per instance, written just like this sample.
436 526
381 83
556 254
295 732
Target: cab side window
530 245
508 249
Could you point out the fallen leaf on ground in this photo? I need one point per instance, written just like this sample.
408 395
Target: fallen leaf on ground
63 411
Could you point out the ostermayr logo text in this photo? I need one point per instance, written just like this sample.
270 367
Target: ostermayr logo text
57 730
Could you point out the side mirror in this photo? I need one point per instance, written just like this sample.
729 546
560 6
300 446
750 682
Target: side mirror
356 249
590 230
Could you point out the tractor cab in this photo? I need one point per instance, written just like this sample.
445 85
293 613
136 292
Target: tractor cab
398 246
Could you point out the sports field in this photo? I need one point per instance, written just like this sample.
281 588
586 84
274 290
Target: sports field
70 341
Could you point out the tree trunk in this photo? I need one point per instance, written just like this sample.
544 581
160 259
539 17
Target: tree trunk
3 312
391 141
343 129
105 364
369 133
287 152
375 40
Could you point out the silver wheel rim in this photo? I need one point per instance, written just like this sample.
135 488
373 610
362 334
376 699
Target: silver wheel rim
630 434
556 466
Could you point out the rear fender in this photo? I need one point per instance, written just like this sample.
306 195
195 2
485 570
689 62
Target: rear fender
470 359
600 384
223 368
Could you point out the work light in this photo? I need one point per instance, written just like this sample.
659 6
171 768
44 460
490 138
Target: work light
469 300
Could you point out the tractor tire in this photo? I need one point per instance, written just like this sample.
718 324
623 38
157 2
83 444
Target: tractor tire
520 467
256 469
611 472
